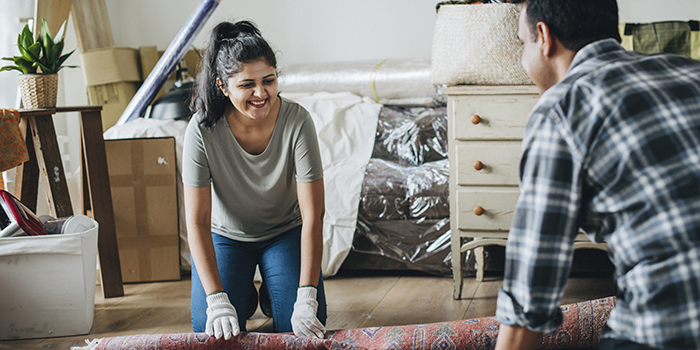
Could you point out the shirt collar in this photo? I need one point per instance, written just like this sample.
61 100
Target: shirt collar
594 49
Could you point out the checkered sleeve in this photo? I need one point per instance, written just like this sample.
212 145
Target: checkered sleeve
540 241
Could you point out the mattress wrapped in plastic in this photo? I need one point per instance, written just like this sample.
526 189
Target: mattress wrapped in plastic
404 212
404 215
411 136
394 192
389 82
420 244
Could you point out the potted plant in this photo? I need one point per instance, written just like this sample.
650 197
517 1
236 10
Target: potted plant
39 62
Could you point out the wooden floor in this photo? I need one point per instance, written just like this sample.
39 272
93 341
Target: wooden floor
355 299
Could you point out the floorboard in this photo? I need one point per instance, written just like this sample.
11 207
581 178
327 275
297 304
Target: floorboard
355 300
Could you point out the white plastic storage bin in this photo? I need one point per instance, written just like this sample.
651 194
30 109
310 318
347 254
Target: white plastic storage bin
47 285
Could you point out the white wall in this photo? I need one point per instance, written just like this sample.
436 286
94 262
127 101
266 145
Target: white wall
303 31
644 11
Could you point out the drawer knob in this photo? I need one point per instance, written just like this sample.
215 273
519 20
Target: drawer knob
476 119
478 165
479 210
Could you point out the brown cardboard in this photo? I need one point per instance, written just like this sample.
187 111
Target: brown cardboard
150 55
144 195
113 98
112 76
111 65
149 58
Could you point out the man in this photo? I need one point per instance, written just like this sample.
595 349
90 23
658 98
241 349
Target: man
612 147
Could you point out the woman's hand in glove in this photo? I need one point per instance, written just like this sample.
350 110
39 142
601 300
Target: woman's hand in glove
304 321
221 316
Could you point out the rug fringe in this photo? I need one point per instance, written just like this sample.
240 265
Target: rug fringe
91 345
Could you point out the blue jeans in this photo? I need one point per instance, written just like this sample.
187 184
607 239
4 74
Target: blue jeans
280 264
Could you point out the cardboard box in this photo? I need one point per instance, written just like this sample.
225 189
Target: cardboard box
113 97
142 176
47 285
111 65
112 75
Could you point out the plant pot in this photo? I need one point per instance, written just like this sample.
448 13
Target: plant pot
38 90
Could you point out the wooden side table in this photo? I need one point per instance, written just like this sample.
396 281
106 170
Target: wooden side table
45 160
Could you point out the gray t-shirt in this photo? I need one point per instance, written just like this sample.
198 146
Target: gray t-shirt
254 197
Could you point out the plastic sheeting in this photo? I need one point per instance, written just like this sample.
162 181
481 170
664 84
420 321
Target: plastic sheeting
390 82
411 136
404 210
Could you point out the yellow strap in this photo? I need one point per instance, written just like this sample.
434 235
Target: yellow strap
374 76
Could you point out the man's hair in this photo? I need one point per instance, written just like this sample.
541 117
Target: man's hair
576 23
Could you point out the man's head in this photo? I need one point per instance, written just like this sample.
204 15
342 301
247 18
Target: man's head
552 31
575 23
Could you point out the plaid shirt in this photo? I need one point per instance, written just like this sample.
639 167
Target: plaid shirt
612 149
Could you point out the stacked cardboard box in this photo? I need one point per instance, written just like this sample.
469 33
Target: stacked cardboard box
112 75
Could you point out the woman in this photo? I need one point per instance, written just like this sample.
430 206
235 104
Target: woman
253 191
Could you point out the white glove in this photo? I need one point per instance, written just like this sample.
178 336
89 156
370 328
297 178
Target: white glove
222 319
304 321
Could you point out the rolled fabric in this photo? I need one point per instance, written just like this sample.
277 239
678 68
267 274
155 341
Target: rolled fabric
583 323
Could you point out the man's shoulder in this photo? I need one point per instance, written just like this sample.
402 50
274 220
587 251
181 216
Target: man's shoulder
613 67
615 73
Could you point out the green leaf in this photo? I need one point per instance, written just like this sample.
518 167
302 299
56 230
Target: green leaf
64 58
56 50
7 68
26 38
59 35
33 52
45 28
48 46
27 67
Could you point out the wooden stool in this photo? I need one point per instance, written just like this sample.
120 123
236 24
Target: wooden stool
45 159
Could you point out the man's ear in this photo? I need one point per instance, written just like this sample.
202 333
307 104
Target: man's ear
547 41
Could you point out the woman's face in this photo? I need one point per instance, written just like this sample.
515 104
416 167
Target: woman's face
253 90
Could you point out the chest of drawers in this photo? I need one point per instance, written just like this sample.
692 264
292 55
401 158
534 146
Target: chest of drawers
485 126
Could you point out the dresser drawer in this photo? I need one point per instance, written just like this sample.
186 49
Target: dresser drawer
498 205
490 117
487 163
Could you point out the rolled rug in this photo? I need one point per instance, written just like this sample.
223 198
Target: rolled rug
583 323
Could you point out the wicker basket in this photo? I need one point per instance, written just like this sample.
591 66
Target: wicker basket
477 44
38 90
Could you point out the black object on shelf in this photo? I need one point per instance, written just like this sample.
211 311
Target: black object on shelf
175 103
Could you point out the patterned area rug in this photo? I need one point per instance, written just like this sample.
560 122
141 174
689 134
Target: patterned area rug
581 329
